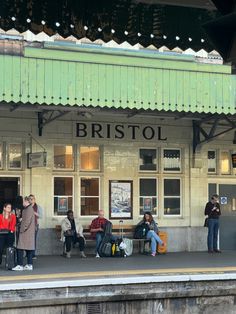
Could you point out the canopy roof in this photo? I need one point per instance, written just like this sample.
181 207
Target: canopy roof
136 21
114 78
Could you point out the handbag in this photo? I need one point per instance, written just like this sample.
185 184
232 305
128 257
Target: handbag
206 222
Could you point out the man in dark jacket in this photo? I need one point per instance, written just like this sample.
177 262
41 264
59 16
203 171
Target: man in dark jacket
212 210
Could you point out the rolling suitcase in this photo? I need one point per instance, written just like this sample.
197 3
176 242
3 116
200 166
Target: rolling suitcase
125 244
164 237
10 261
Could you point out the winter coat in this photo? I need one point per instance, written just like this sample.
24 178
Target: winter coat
27 230
66 225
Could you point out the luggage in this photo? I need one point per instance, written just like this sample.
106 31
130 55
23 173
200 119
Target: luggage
10 261
126 245
105 248
164 237
107 228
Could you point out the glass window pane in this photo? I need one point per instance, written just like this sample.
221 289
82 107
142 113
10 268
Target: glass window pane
225 163
89 206
148 159
172 160
63 157
148 196
89 199
90 187
89 158
63 195
171 187
211 161
15 155
148 187
172 206
0 155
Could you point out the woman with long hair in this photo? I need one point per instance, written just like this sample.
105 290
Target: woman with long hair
152 232
7 228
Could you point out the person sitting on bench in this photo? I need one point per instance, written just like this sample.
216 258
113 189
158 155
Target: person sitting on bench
71 233
96 229
152 232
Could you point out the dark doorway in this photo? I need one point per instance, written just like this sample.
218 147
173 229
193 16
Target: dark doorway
227 194
9 189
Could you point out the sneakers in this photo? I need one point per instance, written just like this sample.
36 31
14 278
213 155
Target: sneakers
97 255
68 255
82 255
18 268
153 254
28 267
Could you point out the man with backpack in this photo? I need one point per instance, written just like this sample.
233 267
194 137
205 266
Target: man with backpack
97 229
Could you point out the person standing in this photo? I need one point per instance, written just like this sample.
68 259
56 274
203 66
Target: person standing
212 210
72 232
38 211
7 228
97 229
26 241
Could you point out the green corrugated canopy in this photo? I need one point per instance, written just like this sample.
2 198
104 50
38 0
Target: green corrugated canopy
116 78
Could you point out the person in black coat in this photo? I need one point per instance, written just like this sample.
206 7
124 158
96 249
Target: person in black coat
212 210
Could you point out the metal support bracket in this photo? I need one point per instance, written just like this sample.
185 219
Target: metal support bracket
211 127
47 116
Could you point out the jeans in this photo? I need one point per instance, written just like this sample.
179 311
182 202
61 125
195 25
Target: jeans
99 237
29 255
70 239
212 237
151 235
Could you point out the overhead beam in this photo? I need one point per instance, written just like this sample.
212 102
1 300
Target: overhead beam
202 134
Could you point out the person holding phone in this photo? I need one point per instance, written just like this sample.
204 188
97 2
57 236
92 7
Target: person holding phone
212 210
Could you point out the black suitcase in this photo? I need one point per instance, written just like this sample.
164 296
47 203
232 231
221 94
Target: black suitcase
10 258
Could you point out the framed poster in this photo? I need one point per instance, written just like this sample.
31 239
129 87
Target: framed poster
62 204
120 199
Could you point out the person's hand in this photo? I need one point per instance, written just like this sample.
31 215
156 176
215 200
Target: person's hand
147 222
100 229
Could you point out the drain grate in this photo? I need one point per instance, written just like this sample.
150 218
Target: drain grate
94 308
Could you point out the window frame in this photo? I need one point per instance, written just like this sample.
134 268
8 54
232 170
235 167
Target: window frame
73 158
162 160
8 156
157 159
80 196
100 159
2 160
216 165
157 196
230 162
180 197
73 193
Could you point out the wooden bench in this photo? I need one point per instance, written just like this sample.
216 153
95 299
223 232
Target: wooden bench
128 232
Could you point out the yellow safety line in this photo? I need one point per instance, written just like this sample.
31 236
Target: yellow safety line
153 272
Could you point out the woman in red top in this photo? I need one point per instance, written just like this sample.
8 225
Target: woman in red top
7 228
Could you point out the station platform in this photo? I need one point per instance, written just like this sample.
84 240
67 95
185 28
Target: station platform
178 283
181 263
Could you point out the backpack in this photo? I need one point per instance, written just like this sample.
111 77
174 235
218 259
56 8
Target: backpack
141 231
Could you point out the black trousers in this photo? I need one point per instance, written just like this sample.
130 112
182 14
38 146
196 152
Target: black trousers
6 240
69 240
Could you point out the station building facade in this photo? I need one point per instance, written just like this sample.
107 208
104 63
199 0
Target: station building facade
90 128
